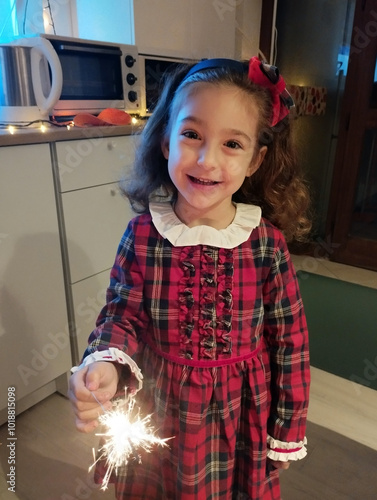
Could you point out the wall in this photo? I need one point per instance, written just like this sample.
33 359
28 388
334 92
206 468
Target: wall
185 28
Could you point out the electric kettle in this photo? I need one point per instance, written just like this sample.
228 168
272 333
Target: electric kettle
27 91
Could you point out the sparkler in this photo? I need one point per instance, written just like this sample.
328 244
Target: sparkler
125 433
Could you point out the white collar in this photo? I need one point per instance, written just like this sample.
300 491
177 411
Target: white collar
170 227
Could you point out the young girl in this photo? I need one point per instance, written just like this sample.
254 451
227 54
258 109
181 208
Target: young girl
203 299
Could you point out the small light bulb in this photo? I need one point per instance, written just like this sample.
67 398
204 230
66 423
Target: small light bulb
43 128
11 129
134 120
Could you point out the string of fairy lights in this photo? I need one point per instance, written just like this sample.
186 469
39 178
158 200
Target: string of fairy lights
44 125
41 125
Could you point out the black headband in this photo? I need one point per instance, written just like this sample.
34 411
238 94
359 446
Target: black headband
216 63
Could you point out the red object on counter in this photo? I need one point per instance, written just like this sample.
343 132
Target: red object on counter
109 116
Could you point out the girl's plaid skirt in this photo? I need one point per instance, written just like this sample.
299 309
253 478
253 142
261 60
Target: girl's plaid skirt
217 420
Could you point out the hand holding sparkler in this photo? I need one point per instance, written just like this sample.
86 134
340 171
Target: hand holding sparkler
92 387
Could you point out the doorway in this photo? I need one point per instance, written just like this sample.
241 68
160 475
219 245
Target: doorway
352 215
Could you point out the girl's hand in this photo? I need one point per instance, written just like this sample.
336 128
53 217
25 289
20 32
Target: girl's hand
279 465
99 378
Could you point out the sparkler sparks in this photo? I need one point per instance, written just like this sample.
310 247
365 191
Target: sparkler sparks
125 433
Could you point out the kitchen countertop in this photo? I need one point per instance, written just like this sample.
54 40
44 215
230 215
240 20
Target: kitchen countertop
52 133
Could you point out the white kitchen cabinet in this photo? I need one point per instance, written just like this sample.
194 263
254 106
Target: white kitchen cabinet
35 347
93 161
94 215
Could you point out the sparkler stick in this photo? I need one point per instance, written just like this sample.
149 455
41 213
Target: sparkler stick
125 433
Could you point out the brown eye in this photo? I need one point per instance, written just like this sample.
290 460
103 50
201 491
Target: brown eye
190 134
233 144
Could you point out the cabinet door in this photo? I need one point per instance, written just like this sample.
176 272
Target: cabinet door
35 347
95 161
95 220
89 296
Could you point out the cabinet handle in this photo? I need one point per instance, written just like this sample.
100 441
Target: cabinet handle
111 145
113 192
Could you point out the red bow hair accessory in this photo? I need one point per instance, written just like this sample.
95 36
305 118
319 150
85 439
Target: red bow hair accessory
268 76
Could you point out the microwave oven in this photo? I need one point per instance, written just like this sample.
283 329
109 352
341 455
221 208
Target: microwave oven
96 75
152 70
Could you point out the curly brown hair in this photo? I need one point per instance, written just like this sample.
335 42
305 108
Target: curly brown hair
277 186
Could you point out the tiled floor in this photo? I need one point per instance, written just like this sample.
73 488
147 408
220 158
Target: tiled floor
331 269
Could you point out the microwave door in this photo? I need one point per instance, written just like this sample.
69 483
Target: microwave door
90 73
92 78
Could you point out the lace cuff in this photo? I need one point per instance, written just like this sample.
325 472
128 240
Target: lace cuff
283 451
116 356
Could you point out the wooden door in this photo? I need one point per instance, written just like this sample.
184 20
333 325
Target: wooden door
352 217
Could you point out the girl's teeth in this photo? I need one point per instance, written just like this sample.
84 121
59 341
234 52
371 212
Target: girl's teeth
204 182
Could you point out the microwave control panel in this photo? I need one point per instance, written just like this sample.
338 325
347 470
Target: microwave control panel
131 78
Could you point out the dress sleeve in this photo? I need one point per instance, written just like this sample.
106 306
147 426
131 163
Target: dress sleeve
286 336
122 320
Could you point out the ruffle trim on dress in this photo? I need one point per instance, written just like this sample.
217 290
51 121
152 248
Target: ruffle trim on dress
286 451
215 303
207 305
186 303
173 229
225 272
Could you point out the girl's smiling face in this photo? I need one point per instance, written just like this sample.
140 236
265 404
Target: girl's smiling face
212 147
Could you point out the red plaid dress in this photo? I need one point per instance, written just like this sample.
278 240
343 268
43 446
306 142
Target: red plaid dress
221 339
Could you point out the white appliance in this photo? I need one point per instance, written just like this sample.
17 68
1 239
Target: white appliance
30 80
